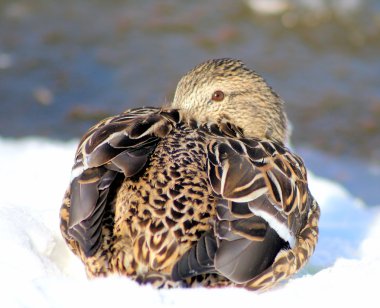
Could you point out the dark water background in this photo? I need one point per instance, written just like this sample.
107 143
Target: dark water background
66 64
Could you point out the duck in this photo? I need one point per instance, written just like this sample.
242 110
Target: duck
201 192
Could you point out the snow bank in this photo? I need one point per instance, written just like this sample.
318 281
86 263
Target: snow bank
37 270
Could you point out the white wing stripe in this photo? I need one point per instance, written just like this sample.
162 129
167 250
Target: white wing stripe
281 229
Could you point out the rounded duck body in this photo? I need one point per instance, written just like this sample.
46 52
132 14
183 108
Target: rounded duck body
202 192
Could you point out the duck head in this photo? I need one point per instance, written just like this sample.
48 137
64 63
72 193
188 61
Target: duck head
226 90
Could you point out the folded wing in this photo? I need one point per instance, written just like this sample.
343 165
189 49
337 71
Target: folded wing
117 146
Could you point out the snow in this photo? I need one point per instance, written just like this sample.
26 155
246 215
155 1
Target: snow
37 270
273 7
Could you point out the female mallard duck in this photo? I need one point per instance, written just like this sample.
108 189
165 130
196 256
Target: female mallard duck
201 193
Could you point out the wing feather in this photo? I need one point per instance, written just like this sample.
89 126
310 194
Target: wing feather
271 182
119 145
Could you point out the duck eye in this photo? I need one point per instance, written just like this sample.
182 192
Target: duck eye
217 96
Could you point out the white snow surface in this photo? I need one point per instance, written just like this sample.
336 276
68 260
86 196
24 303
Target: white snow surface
37 270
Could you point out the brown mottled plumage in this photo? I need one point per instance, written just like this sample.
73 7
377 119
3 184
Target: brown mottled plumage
201 193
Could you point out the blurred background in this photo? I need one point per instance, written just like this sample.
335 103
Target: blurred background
64 65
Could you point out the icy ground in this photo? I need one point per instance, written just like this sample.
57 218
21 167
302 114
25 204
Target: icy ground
37 270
